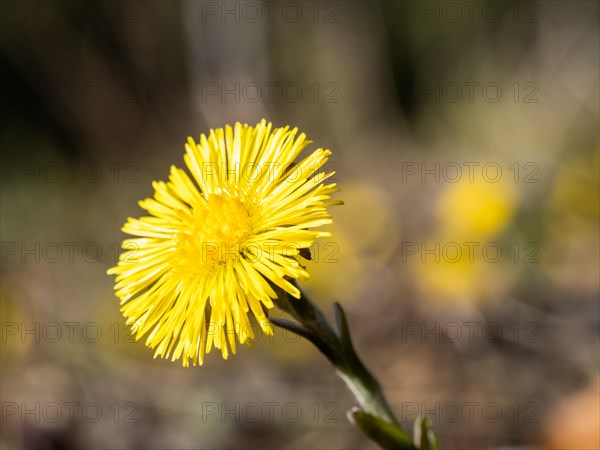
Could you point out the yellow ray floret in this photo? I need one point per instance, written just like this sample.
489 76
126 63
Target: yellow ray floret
205 258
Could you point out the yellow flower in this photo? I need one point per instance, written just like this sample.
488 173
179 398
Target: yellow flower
203 260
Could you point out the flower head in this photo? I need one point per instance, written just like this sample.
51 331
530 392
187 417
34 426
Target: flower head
206 257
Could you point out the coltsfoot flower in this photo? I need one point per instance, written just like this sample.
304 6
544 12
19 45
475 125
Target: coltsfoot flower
204 259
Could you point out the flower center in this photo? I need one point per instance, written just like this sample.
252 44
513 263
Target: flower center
218 231
223 219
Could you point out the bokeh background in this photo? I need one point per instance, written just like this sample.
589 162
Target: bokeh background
465 136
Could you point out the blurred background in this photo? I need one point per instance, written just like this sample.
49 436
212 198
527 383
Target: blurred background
465 136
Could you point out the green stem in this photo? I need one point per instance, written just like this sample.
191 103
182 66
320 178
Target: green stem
375 417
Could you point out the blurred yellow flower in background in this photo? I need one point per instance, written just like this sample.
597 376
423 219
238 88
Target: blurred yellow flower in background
459 261
203 261
476 209
469 278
